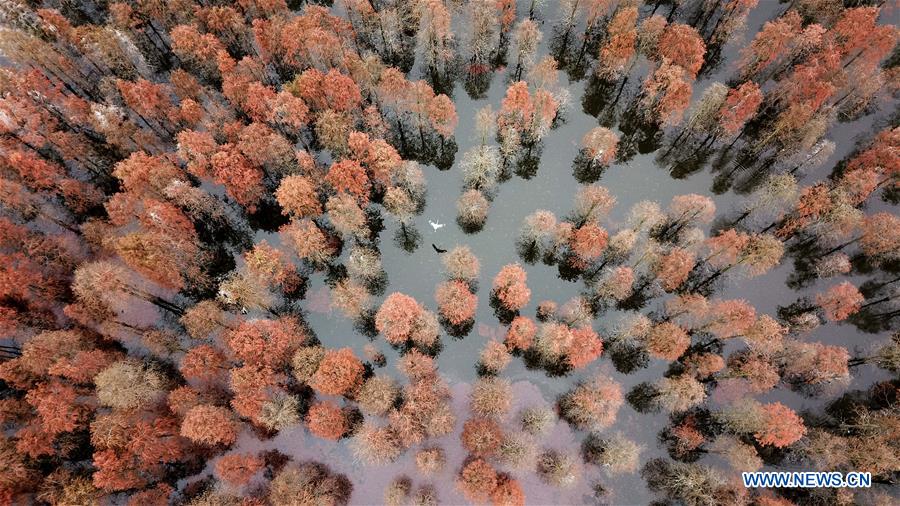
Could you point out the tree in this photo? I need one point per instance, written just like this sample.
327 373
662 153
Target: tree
781 426
526 38
309 482
339 373
769 44
308 241
814 364
327 421
681 45
741 104
667 341
128 384
242 180
472 209
348 176
617 454
599 145
198 51
455 302
346 216
558 469
378 395
460 263
481 437
204 363
589 241
477 480
509 287
210 425
481 168
593 404
238 468
840 301
666 94
326 91
520 334
674 268
617 53
398 317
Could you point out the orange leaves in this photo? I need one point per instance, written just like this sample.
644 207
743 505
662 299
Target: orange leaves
339 373
510 288
781 427
327 421
333 90
840 301
455 302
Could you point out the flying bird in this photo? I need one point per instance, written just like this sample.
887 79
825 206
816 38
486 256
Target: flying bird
435 224
439 250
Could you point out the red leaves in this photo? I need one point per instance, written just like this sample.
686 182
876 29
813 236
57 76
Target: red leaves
674 268
455 302
348 176
397 317
782 427
740 105
238 468
333 90
267 342
477 480
840 301
242 180
510 288
339 373
61 407
682 46
327 421
589 241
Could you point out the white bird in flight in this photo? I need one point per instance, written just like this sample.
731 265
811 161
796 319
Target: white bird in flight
435 225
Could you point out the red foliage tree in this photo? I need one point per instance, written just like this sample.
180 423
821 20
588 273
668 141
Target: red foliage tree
769 44
666 94
585 347
674 268
204 363
510 288
238 468
333 90
508 492
349 176
740 105
667 341
61 407
520 334
682 46
619 49
397 317
455 302
242 180
781 426
477 480
589 241
840 301
339 373
481 437
268 342
327 421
